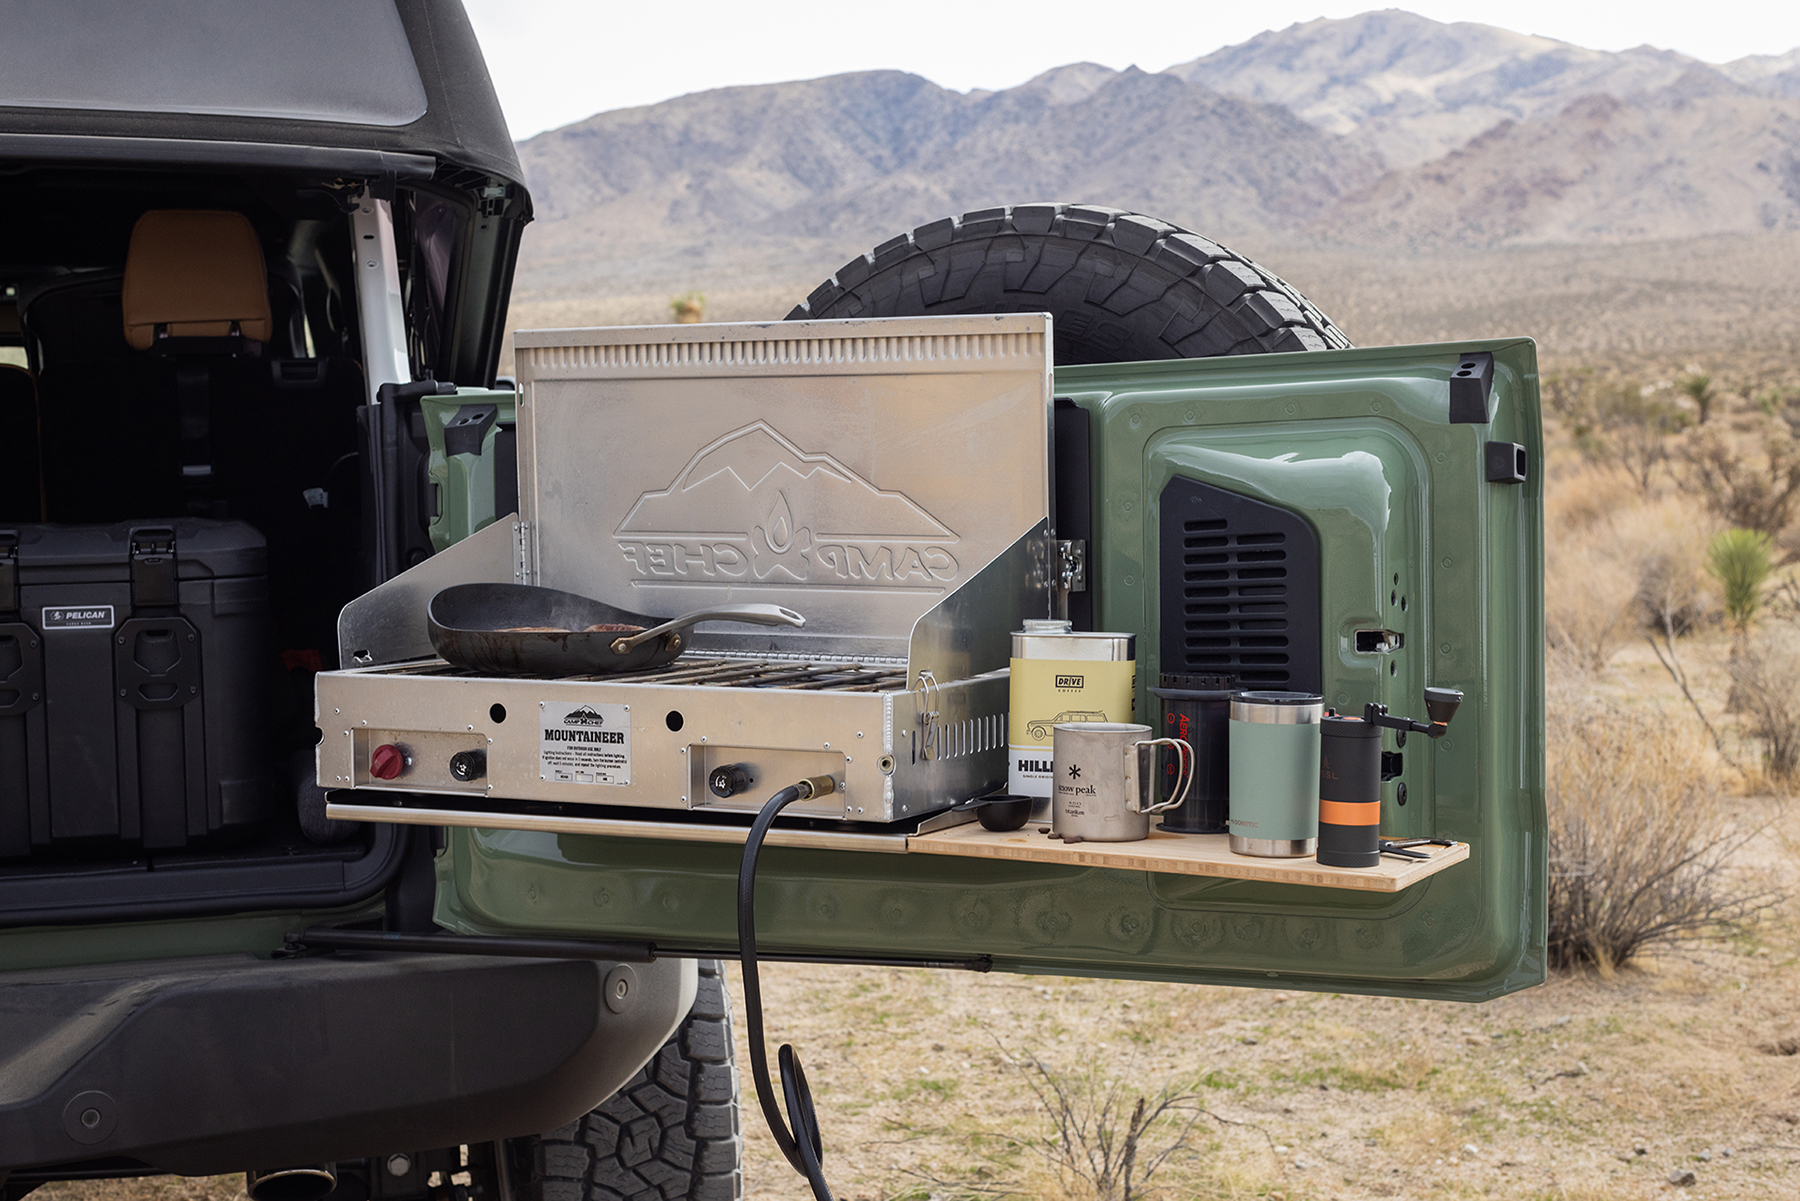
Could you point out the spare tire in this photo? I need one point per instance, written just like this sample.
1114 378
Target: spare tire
1120 286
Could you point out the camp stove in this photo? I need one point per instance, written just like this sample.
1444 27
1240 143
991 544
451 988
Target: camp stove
887 479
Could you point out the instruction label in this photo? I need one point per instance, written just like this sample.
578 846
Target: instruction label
584 744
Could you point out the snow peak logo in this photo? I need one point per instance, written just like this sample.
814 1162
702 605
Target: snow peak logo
753 508
79 617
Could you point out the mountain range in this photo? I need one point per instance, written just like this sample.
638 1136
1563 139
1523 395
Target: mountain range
1381 130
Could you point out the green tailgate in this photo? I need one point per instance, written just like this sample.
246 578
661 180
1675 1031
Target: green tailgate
1413 539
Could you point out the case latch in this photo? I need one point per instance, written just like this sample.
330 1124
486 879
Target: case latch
9 572
153 574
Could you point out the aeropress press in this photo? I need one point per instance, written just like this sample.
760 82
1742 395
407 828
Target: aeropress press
1350 775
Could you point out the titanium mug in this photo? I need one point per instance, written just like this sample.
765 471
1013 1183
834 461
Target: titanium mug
1275 773
1106 780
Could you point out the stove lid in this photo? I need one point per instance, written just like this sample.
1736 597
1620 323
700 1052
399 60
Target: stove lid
860 472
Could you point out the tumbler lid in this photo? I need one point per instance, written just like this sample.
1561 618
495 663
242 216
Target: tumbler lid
1277 708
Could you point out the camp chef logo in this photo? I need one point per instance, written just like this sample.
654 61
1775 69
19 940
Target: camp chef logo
753 508
586 730
78 617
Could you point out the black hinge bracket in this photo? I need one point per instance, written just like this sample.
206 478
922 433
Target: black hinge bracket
1472 389
154 583
1506 463
1392 764
465 432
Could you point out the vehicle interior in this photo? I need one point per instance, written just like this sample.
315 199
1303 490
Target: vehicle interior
184 347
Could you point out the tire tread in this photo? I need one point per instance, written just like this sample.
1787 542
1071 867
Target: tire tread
1123 285
672 1133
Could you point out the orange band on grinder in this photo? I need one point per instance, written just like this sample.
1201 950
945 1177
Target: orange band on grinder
1350 813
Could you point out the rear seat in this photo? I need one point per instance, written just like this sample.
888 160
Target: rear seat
127 413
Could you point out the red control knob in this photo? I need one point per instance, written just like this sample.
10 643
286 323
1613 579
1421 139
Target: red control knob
387 762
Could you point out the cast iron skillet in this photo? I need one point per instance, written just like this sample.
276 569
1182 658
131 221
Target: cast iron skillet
518 629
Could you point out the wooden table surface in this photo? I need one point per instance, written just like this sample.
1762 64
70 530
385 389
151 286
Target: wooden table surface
1184 854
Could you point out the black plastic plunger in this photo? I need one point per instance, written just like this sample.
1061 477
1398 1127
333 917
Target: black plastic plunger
1197 710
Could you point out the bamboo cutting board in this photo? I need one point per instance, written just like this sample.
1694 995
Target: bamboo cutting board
1184 854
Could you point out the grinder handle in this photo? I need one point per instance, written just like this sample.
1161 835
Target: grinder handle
1184 755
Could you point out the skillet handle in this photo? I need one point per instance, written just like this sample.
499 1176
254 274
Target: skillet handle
758 615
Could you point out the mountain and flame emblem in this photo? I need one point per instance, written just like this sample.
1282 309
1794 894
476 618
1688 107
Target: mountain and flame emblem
754 507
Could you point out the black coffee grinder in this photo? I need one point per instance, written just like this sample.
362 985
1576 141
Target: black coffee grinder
1350 775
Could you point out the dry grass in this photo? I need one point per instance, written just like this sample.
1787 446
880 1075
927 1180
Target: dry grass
1642 850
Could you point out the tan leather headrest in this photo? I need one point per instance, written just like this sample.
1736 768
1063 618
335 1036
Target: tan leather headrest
195 271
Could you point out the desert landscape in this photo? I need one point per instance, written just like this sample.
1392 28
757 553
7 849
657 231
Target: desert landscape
1639 215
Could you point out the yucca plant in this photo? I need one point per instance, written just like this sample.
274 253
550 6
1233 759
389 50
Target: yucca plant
1741 561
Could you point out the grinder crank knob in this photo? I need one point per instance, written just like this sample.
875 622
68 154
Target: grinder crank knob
387 761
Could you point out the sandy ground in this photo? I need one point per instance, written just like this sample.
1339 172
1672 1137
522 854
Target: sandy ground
1548 1093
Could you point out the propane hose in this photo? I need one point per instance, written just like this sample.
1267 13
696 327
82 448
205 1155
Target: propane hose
802 1146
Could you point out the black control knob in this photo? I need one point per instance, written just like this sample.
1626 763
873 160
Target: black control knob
468 765
729 780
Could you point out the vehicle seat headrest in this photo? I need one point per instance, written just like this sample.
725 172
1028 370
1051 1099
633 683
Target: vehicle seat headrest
195 271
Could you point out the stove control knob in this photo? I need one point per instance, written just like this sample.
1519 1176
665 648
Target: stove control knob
468 765
387 762
729 780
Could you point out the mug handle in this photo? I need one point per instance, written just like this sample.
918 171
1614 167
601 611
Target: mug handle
1184 755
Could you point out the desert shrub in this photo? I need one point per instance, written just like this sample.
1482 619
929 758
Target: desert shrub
1665 541
1698 388
1766 685
1641 852
1626 425
1746 489
1107 1137
688 308
1614 565
1741 561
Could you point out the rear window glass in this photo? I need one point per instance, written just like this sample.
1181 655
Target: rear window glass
314 60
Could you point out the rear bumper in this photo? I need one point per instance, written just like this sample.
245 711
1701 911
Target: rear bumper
204 1066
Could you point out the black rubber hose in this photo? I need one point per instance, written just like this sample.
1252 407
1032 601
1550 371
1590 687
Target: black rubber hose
803 1148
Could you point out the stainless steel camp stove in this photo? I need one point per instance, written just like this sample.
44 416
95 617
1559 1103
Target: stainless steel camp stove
888 479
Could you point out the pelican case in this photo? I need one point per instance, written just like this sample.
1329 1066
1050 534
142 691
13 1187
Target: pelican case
132 689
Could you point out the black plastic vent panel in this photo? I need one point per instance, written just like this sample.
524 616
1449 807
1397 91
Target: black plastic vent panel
1240 589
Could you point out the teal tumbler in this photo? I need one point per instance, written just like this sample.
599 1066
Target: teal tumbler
1275 773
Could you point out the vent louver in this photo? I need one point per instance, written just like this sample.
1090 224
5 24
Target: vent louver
1239 588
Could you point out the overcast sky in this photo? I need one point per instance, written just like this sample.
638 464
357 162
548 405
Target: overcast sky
557 61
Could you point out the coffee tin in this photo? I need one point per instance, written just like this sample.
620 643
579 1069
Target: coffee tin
1062 675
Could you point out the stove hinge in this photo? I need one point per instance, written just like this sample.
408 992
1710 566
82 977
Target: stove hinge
522 552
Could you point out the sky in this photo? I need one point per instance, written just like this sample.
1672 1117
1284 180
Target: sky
558 61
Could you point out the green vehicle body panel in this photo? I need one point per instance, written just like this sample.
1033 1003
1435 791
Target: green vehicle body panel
257 934
1359 443
464 482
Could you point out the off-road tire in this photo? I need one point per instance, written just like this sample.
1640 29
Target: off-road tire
670 1134
1121 286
